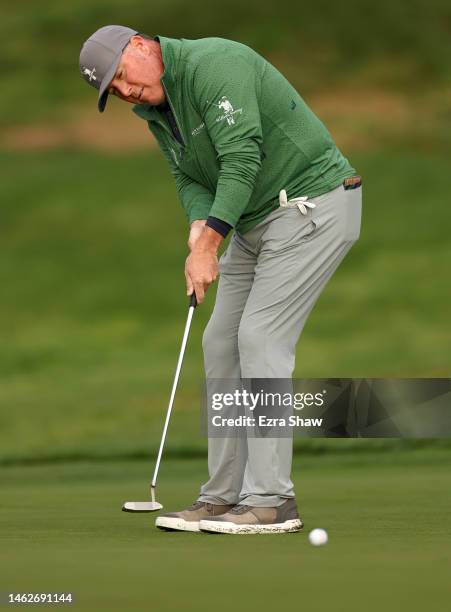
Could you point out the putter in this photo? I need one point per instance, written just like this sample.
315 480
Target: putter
153 505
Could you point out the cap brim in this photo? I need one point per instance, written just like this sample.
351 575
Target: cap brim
103 91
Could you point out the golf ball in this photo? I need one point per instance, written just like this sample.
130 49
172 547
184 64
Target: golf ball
318 537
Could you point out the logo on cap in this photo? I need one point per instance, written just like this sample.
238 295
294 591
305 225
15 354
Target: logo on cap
90 74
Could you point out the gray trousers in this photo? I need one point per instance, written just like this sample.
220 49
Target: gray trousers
270 279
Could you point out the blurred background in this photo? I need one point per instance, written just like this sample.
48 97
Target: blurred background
93 301
93 307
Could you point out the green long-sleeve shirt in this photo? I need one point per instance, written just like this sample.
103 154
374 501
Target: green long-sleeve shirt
246 133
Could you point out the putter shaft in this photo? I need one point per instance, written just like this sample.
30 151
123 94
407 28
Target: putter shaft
193 304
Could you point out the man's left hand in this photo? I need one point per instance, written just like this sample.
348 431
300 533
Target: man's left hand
201 267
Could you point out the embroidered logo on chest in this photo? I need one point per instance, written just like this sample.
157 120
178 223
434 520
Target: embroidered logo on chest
229 112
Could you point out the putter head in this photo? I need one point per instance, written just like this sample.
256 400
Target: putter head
150 506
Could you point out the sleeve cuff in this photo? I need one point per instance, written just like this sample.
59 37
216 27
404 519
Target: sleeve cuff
219 226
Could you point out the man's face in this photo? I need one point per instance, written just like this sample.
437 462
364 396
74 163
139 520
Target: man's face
137 78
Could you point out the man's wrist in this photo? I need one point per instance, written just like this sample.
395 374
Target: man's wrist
209 241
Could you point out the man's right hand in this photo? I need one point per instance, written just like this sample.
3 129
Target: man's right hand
196 229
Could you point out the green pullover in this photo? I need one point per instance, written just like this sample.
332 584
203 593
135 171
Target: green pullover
246 133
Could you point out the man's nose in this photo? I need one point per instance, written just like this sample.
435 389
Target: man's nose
123 88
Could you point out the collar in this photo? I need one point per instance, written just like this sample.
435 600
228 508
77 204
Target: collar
171 49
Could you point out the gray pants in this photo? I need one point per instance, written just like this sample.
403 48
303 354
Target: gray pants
270 279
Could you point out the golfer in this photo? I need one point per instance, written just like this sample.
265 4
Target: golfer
249 157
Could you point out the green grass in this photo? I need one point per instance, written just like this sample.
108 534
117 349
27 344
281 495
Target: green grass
387 517
93 303
387 44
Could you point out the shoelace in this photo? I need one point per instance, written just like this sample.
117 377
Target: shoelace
302 202
239 509
197 505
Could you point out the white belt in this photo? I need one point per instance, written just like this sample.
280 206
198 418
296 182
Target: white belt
302 203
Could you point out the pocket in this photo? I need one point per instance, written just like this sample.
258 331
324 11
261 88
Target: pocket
309 231
289 229
353 214
309 224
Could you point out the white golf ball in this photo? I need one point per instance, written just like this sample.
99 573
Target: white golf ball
318 537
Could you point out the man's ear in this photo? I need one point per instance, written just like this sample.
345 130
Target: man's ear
138 43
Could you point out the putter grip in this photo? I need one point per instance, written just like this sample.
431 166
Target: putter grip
193 300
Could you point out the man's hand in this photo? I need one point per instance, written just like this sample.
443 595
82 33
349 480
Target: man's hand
201 267
196 229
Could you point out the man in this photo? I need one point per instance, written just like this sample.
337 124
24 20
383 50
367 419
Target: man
247 154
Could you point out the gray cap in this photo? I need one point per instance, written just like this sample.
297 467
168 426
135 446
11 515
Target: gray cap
100 56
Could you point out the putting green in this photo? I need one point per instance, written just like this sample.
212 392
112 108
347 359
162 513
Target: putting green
387 515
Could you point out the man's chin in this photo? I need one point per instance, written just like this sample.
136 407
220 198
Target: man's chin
134 101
